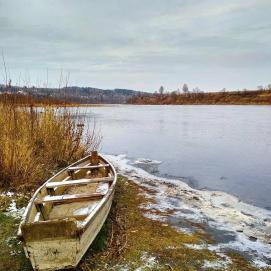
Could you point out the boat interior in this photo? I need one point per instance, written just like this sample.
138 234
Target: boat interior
74 192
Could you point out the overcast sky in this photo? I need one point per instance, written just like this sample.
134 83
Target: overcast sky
138 44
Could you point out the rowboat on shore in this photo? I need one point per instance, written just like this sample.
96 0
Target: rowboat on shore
67 212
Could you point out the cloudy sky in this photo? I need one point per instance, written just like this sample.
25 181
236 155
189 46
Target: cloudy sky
138 44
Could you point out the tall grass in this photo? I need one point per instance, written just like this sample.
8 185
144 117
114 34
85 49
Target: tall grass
35 142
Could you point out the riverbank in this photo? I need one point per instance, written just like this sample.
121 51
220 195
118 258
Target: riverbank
248 97
130 239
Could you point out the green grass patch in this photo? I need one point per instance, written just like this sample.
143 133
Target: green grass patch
12 255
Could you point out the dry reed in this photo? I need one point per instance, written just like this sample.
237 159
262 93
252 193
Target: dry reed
34 142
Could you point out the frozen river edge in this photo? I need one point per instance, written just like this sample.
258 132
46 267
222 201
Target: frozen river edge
234 225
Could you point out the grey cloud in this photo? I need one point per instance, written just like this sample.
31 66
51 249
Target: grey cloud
123 40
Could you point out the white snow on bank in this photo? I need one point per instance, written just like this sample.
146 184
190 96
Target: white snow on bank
249 225
219 264
149 262
12 209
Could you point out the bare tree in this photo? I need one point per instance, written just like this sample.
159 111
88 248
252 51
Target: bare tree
185 89
161 90
60 79
196 90
19 80
66 85
47 78
5 68
67 78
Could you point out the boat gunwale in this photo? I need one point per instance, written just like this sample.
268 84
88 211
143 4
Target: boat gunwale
93 213
104 200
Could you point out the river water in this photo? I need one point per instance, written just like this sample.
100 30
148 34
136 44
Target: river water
226 148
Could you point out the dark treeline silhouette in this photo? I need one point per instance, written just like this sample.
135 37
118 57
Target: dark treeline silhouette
198 97
26 99
72 94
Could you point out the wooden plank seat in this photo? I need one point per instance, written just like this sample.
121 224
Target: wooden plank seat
77 217
52 185
88 167
68 198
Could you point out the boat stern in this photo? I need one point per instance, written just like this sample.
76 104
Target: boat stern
51 245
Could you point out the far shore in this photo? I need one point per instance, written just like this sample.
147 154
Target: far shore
246 97
256 97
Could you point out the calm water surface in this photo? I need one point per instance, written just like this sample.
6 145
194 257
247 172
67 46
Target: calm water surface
225 148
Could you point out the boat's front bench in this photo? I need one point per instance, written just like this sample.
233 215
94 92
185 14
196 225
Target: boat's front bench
88 167
53 185
68 198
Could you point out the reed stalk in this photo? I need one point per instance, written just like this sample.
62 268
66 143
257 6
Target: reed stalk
35 142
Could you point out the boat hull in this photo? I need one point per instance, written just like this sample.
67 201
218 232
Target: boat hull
62 253
61 244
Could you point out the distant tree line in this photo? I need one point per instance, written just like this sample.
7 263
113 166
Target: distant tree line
196 96
73 94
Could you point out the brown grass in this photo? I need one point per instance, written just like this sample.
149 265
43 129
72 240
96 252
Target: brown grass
34 142
233 97
27 99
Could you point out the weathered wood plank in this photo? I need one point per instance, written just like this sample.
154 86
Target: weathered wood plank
77 217
78 182
37 217
68 198
49 229
88 167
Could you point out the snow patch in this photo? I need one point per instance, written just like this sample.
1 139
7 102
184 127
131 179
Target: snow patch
12 209
148 260
219 264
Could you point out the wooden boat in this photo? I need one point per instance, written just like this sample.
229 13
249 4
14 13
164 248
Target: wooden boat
67 212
